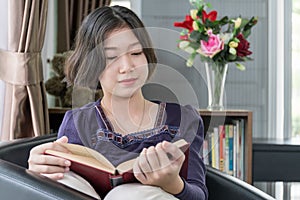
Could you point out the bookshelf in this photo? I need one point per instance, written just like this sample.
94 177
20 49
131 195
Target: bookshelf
213 119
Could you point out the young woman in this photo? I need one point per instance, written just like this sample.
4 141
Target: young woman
114 49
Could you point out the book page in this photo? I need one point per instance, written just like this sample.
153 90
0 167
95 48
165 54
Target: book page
126 166
74 181
88 152
84 160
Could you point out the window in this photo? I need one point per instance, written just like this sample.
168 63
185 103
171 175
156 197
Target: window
125 3
296 69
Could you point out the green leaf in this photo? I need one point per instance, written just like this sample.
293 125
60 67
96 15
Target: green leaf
240 66
231 57
246 33
195 36
204 37
194 45
250 24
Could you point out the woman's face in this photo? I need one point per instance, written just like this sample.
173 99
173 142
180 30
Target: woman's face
126 68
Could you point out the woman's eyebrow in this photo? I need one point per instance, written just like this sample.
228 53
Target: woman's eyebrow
110 48
115 48
135 44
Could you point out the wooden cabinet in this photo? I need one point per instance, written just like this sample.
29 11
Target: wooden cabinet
213 119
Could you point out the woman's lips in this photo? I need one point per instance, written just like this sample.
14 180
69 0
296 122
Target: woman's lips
128 82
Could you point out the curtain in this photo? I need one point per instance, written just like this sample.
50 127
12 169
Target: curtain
25 112
70 15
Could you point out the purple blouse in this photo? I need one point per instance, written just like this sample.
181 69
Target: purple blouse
90 127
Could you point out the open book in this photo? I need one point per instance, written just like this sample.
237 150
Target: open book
99 171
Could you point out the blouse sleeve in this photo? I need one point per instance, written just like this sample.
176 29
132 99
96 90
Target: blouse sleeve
68 128
192 130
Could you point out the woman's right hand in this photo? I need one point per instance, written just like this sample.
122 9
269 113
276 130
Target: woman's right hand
47 165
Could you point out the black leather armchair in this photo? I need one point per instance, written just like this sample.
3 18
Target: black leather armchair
16 182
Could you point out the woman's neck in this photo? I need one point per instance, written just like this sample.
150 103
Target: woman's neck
129 115
133 105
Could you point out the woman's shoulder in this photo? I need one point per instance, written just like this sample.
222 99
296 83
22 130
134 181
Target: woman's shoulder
178 109
179 115
81 123
89 107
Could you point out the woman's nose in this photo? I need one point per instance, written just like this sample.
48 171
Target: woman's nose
126 64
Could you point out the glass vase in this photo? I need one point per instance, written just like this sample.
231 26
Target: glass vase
216 77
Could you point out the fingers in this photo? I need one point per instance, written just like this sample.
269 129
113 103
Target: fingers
173 152
63 139
55 176
143 162
48 164
138 173
52 166
162 156
159 157
146 165
158 165
152 158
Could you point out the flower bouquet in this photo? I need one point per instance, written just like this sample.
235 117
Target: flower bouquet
218 42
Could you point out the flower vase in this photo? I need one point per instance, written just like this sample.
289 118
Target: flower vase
216 77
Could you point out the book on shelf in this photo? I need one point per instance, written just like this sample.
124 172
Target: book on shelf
99 172
227 148
242 149
230 149
223 147
205 152
216 147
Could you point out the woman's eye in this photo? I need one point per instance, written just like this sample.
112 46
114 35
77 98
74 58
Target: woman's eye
137 53
111 57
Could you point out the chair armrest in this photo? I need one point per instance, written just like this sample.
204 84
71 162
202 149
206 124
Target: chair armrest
224 186
19 183
17 152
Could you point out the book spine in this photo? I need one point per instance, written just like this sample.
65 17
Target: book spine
227 148
217 147
209 138
221 147
242 149
213 151
230 149
205 153
238 149
235 150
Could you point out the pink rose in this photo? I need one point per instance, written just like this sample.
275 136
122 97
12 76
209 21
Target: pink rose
213 46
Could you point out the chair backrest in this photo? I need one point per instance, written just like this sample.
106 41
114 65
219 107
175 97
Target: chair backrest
224 186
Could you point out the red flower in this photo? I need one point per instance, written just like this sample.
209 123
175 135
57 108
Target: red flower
212 16
184 37
187 23
243 46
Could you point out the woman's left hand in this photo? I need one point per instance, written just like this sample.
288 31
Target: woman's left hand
160 166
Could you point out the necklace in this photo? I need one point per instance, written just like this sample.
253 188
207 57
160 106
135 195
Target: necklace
118 123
